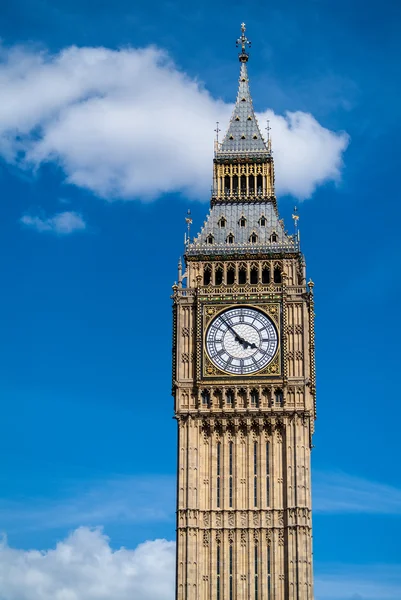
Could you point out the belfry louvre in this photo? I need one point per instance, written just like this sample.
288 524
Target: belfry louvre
244 384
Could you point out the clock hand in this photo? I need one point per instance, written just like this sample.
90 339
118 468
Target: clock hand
249 344
236 335
240 339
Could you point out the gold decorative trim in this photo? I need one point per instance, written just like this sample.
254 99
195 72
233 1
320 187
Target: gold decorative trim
208 312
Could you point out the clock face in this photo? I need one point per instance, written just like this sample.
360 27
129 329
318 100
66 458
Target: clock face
241 340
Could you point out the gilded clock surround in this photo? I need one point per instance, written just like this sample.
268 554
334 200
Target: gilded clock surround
212 372
244 528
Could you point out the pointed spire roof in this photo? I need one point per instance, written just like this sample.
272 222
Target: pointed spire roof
243 135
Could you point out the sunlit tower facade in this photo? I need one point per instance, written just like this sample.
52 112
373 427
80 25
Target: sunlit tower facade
244 384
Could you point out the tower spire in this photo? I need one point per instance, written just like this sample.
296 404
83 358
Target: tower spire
243 135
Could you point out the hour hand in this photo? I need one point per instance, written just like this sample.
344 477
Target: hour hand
248 344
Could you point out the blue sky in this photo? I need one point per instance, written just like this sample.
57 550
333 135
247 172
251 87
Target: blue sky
107 111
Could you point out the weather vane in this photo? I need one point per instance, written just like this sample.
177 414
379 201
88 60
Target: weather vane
243 42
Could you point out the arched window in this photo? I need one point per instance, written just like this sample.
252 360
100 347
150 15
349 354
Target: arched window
253 238
218 276
262 221
265 275
222 222
235 183
207 275
242 222
205 398
242 275
230 275
273 237
277 275
230 238
278 395
254 275
210 239
230 397
254 398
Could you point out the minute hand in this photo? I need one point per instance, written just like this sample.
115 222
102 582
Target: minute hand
236 335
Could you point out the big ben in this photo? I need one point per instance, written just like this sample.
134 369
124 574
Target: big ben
244 384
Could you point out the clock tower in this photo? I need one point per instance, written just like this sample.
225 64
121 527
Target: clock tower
244 384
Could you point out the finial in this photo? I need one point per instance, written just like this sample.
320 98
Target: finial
243 42
179 272
268 138
188 221
268 129
295 217
217 130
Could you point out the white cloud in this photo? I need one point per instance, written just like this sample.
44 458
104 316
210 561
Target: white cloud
307 153
85 567
128 124
342 493
62 223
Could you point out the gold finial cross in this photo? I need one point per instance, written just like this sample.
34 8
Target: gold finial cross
243 42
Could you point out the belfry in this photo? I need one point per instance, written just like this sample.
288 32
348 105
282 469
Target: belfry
244 384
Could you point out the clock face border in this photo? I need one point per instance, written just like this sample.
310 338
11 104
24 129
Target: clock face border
209 312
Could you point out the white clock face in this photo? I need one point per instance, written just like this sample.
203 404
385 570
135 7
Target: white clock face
241 340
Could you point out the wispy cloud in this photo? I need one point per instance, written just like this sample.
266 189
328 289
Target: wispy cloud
119 500
62 223
342 493
151 499
358 582
107 117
